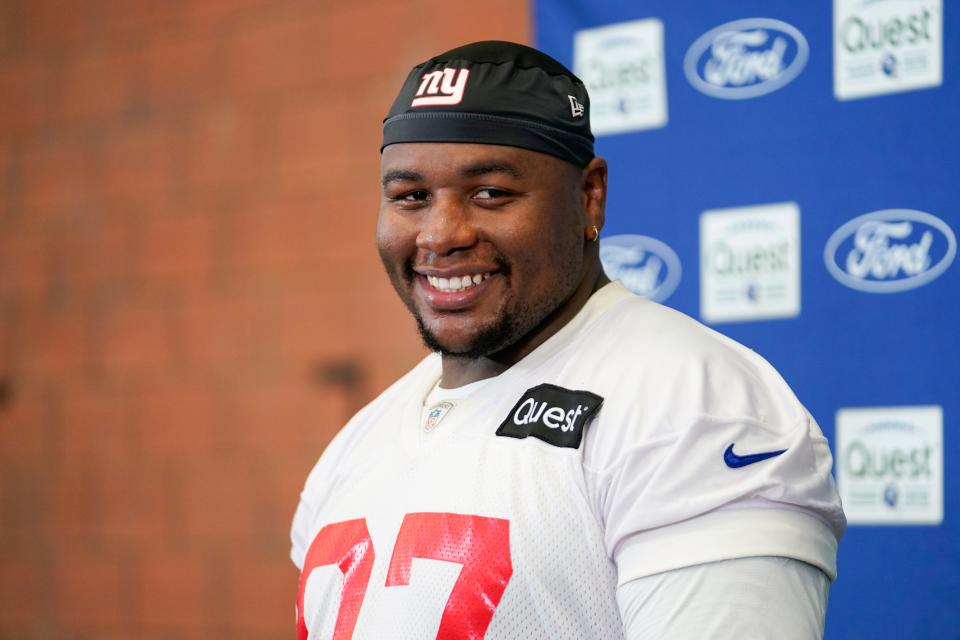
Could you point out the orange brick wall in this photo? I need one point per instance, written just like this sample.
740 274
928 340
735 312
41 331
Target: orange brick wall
190 300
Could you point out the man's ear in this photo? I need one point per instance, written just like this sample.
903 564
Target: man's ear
593 195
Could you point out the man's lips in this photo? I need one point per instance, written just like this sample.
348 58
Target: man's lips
453 292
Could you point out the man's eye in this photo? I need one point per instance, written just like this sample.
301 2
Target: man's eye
409 198
490 193
415 196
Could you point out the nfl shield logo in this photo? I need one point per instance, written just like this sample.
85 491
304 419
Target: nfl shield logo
436 413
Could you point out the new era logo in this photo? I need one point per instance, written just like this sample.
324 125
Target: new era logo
576 109
439 88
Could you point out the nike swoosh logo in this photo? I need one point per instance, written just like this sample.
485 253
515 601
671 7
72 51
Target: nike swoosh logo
735 462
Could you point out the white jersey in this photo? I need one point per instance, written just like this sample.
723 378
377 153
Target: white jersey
632 442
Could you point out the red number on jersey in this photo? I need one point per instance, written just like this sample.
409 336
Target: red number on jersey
347 545
481 545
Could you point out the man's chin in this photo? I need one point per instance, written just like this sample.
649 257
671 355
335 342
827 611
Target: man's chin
472 345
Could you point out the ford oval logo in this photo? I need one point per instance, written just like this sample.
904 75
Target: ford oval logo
889 251
746 58
645 265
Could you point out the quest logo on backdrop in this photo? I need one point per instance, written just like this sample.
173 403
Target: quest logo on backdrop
890 251
746 58
623 69
645 265
750 263
886 46
890 464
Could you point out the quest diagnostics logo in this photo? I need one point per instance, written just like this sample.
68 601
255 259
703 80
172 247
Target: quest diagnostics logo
890 251
890 464
551 414
886 46
746 58
645 265
622 67
750 263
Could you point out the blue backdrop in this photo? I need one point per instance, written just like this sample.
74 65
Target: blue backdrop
837 159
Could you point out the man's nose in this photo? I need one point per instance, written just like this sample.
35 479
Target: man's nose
446 226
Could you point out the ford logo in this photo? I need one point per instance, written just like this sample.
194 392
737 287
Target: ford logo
645 265
746 58
890 251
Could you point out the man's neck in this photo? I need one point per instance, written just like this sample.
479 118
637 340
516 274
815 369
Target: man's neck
460 371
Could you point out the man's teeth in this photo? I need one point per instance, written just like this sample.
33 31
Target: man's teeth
457 283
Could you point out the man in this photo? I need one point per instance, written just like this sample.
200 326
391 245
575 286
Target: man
573 461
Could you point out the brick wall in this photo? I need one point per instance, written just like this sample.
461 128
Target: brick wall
190 301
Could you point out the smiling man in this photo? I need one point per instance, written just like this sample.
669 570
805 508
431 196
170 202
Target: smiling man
485 245
572 461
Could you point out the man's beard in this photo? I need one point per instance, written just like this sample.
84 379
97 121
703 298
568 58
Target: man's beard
489 340
512 326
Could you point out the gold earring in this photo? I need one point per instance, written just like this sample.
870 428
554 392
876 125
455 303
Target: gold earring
596 234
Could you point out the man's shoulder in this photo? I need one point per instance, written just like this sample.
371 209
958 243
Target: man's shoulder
642 355
637 332
362 425
397 394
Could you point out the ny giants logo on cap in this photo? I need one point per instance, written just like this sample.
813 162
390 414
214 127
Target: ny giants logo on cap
438 88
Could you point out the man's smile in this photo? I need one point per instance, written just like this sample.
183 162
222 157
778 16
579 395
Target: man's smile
453 292
457 283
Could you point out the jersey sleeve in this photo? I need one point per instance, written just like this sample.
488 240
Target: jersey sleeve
710 458
321 482
310 499
761 598
298 534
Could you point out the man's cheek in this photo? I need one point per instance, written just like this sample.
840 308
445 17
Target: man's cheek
390 250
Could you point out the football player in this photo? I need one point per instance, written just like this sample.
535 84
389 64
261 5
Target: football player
572 460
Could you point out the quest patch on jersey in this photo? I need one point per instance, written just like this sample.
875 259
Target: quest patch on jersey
552 414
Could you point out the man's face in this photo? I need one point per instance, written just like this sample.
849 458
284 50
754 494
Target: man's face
481 242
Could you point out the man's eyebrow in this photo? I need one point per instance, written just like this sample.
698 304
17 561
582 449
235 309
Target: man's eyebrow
484 168
400 175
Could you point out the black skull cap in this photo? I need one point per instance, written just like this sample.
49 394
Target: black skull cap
494 92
